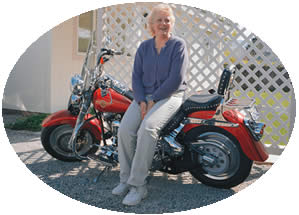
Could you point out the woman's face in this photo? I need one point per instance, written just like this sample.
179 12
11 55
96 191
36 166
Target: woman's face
162 24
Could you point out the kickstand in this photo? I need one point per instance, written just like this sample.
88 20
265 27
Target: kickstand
101 173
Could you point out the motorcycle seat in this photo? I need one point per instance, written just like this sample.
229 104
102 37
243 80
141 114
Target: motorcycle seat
193 104
201 102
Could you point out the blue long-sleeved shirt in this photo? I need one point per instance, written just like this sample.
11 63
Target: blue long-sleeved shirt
160 74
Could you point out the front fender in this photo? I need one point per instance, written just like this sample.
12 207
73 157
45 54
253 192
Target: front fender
65 117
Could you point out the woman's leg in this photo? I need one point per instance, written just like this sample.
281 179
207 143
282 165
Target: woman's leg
147 137
127 135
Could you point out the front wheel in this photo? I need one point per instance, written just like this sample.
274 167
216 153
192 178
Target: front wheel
230 165
55 140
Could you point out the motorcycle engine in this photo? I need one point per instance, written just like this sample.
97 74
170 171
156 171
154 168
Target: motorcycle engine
114 126
157 162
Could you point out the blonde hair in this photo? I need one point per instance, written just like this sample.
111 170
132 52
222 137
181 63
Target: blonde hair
159 8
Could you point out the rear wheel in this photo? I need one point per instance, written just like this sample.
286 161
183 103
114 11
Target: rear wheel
55 140
224 164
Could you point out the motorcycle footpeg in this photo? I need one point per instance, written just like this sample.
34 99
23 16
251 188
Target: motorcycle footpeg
177 152
173 151
101 160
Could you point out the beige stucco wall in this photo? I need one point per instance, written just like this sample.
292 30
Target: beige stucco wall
39 81
65 62
28 87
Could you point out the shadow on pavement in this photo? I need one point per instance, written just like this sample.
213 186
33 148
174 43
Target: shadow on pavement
167 193
75 180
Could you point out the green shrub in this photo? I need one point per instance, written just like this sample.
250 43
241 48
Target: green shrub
30 123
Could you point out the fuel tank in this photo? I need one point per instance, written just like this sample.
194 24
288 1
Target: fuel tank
112 102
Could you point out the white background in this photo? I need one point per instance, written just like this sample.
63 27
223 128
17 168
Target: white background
23 22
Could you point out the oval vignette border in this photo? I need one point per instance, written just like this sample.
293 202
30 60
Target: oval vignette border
263 200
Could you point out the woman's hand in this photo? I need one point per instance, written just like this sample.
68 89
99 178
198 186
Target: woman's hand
150 104
143 109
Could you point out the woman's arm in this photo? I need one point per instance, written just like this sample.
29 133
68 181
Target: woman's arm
178 69
137 85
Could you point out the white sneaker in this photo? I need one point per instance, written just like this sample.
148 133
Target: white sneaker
121 189
135 195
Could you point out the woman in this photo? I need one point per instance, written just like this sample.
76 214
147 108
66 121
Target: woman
158 83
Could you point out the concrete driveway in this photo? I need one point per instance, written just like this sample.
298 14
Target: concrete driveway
168 193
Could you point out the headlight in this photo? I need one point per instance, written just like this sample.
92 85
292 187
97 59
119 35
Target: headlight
75 100
77 85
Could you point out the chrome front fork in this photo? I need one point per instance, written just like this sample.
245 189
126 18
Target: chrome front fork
80 123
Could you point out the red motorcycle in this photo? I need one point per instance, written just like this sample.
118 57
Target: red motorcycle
214 137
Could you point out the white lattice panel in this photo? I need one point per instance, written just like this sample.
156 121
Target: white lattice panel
213 41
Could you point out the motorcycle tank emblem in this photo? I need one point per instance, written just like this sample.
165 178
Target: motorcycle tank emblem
102 103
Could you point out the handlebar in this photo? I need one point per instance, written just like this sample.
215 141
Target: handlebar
109 52
118 53
106 52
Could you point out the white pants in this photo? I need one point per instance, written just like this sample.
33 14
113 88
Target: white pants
137 138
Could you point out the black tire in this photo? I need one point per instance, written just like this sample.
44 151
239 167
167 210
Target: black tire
232 166
55 141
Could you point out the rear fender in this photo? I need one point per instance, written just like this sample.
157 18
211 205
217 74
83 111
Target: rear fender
254 150
65 117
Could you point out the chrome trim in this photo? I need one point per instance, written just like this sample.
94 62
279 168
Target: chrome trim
212 122
219 112
170 139
75 100
77 85
255 128
79 123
